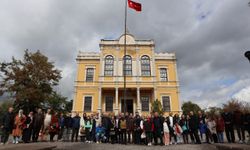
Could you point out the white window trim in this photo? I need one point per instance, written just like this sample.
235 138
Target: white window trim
159 68
170 101
89 67
92 101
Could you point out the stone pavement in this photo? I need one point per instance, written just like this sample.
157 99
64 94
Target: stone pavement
82 146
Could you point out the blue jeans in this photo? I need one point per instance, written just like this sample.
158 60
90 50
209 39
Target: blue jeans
220 137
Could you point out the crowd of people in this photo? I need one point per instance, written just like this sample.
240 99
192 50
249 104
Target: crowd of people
151 129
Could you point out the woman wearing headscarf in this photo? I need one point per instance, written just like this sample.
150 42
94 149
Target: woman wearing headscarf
18 126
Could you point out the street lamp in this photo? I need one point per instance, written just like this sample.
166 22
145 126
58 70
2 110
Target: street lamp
247 55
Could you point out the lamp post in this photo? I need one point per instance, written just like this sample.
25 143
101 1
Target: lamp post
247 55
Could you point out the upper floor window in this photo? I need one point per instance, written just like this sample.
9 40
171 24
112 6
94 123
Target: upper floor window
163 74
90 74
166 103
109 65
145 66
127 65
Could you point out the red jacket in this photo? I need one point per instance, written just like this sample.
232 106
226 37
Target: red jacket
220 125
54 125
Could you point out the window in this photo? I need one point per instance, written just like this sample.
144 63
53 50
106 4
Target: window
127 65
89 74
166 103
87 103
145 103
109 65
145 66
163 74
109 103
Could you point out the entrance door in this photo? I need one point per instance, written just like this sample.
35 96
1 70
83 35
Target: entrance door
128 105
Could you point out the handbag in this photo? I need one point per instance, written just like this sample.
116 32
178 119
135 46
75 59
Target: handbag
82 131
143 135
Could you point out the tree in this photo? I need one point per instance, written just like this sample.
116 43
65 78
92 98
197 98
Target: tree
30 80
55 101
189 106
4 105
233 105
156 107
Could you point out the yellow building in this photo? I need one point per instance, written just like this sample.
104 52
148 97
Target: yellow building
149 76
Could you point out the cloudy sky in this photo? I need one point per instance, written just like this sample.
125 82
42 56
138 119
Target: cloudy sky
209 38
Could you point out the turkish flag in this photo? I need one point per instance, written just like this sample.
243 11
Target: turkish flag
134 5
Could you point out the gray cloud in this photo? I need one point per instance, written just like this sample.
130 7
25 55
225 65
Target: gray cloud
209 37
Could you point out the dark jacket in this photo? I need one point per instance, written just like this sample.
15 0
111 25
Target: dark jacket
237 118
148 125
228 118
158 124
193 123
137 122
38 120
8 121
76 122
68 122
106 123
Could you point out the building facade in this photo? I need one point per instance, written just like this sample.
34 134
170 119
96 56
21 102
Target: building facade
99 86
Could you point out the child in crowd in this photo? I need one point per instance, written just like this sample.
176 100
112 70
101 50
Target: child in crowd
100 133
178 132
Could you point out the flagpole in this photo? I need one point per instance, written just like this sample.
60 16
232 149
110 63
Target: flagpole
124 58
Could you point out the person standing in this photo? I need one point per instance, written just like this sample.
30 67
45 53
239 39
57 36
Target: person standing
28 128
158 128
137 129
18 126
237 119
166 132
130 128
171 121
7 125
228 119
38 121
220 127
67 127
54 126
61 127
184 125
75 127
123 129
46 125
88 128
193 127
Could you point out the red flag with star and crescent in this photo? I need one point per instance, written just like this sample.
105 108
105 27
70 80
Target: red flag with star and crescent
134 5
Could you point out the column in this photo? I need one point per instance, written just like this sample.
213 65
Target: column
100 101
116 100
155 93
138 101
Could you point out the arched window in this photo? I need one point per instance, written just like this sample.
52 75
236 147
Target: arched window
109 66
145 66
128 65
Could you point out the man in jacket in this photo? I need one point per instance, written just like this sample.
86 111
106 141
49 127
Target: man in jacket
193 127
158 128
228 119
75 127
38 120
7 125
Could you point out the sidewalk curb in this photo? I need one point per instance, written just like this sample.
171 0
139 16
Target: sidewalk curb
48 148
231 147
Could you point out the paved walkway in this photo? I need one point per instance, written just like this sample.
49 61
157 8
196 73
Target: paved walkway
82 146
